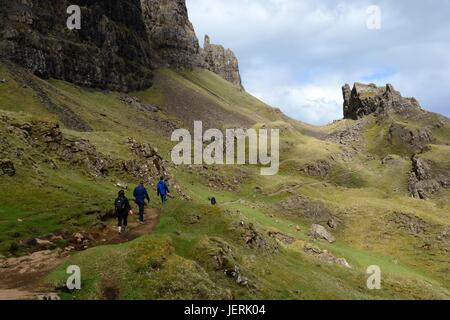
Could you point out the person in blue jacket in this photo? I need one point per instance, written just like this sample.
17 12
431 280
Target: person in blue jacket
140 194
162 190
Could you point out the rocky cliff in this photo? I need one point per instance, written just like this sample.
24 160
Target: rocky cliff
170 32
221 61
365 99
118 45
110 51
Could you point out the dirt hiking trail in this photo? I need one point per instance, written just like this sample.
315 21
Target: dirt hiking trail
22 278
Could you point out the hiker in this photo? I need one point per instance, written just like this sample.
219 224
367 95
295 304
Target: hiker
162 190
123 208
140 194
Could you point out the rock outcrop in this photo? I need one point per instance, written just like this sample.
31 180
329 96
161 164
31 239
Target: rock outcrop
7 167
325 256
410 223
319 232
364 99
425 180
314 211
148 163
221 61
414 138
255 239
320 168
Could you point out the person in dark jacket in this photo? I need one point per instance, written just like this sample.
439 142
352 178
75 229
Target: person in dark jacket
140 195
162 190
123 208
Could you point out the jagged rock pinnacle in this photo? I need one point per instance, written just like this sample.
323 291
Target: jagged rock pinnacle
220 61
366 99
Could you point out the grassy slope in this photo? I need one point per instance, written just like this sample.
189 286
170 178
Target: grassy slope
171 265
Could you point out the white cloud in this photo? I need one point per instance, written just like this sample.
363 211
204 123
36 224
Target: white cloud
296 55
312 103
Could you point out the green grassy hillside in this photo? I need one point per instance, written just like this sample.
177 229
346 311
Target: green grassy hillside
254 244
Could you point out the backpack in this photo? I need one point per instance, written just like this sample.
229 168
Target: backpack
213 201
120 205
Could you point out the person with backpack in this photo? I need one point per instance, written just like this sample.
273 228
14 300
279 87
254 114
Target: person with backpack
140 195
123 208
162 190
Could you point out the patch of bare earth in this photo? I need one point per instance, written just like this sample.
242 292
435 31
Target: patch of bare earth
22 278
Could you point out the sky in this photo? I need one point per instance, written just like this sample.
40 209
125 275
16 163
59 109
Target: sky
297 54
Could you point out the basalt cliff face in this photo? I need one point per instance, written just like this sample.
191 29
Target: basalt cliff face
110 51
170 32
221 61
119 44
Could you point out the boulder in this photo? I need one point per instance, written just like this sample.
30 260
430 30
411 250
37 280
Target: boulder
320 232
78 237
332 223
325 256
7 167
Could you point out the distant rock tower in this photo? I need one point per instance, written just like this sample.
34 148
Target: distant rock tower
365 99
222 62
